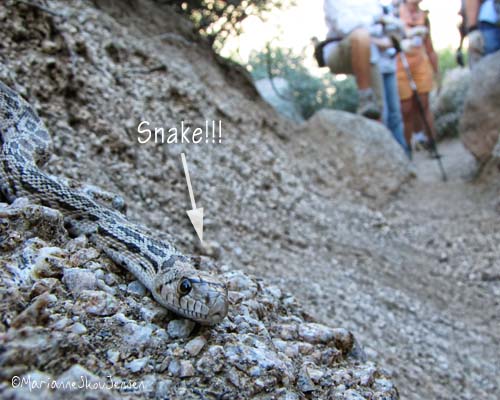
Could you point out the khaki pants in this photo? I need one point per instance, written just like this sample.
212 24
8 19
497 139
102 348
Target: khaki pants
340 62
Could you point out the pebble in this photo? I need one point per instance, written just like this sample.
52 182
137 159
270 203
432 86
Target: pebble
96 303
136 288
61 324
174 367
315 374
77 280
84 256
153 313
79 328
304 382
237 281
49 47
315 333
135 335
186 369
137 365
180 328
194 346
113 356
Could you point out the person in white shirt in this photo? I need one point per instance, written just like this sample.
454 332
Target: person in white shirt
352 51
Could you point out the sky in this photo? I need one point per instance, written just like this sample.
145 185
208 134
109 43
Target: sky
293 27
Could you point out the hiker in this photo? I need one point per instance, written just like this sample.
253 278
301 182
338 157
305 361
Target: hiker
390 26
423 64
483 28
350 50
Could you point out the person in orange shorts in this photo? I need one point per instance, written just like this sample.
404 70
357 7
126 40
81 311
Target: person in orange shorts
423 63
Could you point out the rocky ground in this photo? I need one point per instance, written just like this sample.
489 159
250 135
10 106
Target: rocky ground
406 266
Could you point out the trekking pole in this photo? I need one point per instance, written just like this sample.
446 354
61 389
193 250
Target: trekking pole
420 105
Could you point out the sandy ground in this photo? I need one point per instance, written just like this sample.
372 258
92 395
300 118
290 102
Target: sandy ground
420 287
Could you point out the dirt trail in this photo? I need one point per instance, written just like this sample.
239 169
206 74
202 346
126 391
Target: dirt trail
417 281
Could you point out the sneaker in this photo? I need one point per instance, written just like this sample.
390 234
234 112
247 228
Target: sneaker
420 141
368 106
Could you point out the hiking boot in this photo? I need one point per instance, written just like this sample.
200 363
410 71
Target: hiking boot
367 106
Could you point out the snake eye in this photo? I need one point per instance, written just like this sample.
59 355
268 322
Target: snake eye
184 286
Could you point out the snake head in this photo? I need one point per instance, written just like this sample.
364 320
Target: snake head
194 294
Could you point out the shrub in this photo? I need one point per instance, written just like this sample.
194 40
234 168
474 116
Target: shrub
309 92
217 19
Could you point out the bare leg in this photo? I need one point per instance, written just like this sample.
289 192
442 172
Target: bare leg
408 114
360 57
431 133
418 123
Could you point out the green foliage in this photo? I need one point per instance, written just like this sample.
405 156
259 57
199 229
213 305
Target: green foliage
311 93
447 60
217 19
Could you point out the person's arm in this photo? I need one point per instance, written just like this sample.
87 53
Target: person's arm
471 13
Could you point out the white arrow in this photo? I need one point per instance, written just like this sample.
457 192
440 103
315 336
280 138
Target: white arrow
196 214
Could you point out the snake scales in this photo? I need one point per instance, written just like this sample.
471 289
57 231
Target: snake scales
172 280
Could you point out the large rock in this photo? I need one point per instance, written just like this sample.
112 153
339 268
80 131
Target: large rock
481 118
358 152
447 106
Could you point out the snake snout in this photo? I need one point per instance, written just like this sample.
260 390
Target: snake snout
218 309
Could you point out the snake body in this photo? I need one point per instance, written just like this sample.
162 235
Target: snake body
169 276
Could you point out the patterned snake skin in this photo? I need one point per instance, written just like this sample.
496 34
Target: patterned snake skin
174 283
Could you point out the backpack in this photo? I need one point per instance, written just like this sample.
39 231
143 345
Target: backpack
318 49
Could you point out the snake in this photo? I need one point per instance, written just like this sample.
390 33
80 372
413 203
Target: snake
170 276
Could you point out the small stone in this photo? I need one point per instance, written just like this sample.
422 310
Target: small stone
315 333
186 369
113 356
96 302
137 335
111 279
194 346
49 47
305 348
180 328
163 388
304 382
153 313
137 365
136 288
233 377
238 282
315 374
366 375
174 367
61 324
77 243
79 328
84 256
77 280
